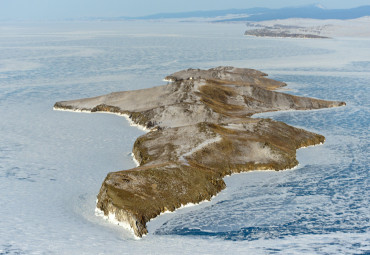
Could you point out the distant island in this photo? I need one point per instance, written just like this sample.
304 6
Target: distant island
200 130
283 31
310 28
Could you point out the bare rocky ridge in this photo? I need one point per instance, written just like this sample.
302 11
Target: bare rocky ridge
200 131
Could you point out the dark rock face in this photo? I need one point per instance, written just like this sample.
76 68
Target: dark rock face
200 130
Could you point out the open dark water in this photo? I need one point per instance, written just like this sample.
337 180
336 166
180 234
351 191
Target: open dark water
53 163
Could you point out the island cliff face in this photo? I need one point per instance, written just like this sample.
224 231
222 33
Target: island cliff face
200 131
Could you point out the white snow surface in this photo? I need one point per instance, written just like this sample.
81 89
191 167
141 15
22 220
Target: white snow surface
52 163
199 147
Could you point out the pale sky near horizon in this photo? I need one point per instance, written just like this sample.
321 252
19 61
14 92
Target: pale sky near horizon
70 9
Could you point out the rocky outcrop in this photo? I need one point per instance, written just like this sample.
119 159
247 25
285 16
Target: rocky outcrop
201 130
228 75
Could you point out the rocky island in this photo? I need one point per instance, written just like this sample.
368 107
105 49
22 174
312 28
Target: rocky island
272 32
309 28
200 130
282 31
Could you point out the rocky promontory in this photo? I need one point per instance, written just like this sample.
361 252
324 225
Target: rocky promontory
200 131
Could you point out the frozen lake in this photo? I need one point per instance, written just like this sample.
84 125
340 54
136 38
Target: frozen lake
52 163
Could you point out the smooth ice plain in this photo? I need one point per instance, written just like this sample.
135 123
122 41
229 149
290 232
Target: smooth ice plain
52 163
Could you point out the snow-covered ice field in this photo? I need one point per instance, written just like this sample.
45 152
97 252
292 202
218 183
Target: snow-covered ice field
52 163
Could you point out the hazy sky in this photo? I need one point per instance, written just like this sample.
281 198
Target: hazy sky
61 9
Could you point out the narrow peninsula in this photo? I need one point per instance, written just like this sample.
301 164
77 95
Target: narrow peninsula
200 130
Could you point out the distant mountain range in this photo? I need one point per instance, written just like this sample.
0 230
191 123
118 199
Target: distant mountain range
263 14
204 14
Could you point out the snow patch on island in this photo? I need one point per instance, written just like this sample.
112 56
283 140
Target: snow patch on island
199 147
111 218
135 160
